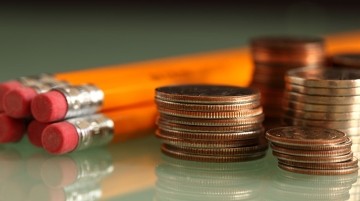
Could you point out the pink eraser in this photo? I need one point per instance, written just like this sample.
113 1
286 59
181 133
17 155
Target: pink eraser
11 130
34 132
17 102
60 138
6 87
49 107
59 172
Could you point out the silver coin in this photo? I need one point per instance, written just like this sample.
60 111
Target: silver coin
325 116
320 107
355 91
288 120
325 100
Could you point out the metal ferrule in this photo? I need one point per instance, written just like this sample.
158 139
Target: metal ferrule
90 191
93 130
82 99
43 87
35 79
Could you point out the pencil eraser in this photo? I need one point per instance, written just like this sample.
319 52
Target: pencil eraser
17 102
60 138
49 107
6 87
34 132
59 171
11 130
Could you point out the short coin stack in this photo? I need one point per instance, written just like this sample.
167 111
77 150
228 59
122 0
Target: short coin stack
324 97
318 151
272 58
210 123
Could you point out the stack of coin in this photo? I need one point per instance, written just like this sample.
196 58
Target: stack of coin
210 123
324 97
346 60
311 150
272 58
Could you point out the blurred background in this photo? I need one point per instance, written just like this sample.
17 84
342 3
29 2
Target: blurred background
38 36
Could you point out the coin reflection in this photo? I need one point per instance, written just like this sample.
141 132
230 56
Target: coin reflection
286 185
188 180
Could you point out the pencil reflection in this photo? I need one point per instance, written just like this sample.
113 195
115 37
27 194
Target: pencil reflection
187 180
286 185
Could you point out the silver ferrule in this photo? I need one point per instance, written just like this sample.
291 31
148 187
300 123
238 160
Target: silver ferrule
93 130
43 87
35 79
90 191
82 99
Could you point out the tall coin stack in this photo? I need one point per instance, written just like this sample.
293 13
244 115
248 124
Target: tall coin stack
316 151
324 97
272 58
346 60
210 123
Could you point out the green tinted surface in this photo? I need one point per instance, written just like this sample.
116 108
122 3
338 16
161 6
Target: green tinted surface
37 39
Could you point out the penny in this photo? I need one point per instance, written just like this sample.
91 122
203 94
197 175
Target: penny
207 94
325 116
293 135
323 166
347 60
213 115
212 122
318 147
217 159
213 136
355 91
199 107
320 108
299 152
288 120
324 77
166 125
308 159
325 100
318 172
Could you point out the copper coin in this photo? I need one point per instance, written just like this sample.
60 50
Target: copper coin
166 125
288 120
299 136
213 136
320 107
311 159
355 91
207 94
318 147
324 77
216 159
324 116
206 107
213 115
236 151
347 60
299 152
179 142
323 100
318 172
323 166
212 122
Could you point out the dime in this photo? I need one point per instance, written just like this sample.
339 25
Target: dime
324 77
320 108
355 91
207 94
322 123
299 152
304 136
213 136
347 60
166 125
308 159
199 107
353 163
318 172
213 115
212 122
217 159
325 100
325 116
319 147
